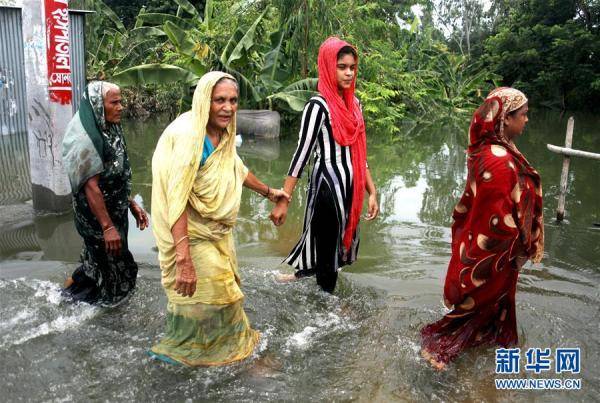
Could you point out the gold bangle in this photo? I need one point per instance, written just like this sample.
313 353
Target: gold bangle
181 239
109 228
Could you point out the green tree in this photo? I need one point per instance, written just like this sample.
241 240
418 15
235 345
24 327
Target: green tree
550 50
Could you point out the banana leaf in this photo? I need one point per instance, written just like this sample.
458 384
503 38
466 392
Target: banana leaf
180 38
110 14
153 74
161 19
272 74
209 8
188 8
144 33
245 43
294 99
306 84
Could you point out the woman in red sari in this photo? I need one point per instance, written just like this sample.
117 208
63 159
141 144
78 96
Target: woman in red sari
498 226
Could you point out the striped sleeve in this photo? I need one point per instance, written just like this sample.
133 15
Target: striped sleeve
312 119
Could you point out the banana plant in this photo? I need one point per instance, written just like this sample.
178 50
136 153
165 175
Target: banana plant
113 48
260 69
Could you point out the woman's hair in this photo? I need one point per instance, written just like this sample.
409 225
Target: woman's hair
347 50
513 112
500 122
227 78
106 87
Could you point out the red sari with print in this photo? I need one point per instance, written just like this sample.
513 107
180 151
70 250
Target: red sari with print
498 226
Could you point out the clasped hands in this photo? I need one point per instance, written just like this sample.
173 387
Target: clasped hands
185 274
279 212
275 195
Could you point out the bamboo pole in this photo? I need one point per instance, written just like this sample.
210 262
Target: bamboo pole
572 153
564 177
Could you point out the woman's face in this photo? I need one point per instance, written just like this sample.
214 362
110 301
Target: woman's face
113 106
223 105
514 123
346 69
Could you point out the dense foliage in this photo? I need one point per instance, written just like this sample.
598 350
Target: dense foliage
550 49
411 68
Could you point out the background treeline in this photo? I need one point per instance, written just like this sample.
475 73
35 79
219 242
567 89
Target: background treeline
419 60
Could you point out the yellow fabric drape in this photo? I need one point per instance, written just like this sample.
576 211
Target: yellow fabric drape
211 196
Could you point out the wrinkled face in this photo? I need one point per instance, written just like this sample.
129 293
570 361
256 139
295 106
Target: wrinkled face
515 122
345 72
223 105
112 106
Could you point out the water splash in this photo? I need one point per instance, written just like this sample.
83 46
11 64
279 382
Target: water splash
321 326
41 313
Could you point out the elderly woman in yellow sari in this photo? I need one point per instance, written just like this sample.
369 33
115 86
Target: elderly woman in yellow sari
197 180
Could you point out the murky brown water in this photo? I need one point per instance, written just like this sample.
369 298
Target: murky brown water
362 343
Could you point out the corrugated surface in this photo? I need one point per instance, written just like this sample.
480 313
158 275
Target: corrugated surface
13 109
77 30
15 182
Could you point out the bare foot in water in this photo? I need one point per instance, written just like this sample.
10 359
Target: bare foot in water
266 367
68 282
285 278
438 365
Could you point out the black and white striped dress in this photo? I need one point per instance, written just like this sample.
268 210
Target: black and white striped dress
332 168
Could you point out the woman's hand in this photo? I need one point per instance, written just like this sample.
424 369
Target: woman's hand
185 276
265 190
276 194
279 213
95 198
141 218
373 208
112 241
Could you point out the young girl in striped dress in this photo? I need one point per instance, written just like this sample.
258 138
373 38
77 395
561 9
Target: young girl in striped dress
333 130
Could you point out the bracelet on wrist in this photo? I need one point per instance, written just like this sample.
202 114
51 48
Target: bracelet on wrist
108 229
181 239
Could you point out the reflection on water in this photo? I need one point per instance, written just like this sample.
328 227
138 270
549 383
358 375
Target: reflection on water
360 344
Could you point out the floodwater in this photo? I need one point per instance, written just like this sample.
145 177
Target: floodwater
360 344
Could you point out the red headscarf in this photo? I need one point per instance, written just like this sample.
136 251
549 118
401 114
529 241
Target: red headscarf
487 128
347 124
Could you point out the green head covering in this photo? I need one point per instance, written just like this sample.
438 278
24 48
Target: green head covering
90 141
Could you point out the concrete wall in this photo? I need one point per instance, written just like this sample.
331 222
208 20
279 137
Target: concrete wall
46 119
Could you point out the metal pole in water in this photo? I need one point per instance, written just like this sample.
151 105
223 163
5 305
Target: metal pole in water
564 177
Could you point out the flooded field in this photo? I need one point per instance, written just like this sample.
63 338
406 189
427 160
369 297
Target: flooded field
360 344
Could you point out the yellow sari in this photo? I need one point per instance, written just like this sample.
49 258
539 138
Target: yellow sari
211 327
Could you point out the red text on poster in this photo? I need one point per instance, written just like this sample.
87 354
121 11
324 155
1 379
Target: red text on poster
57 51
